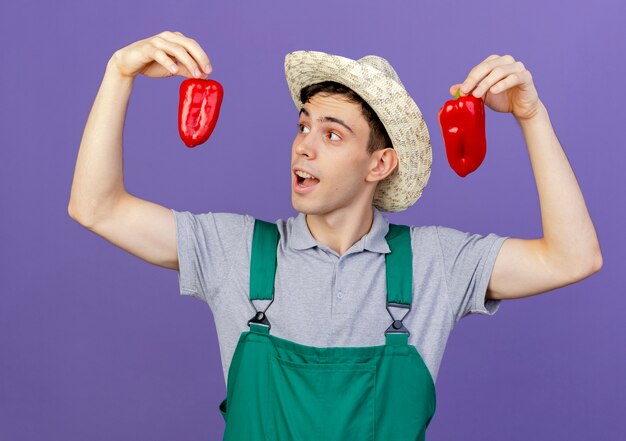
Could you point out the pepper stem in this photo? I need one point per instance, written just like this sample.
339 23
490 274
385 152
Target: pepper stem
458 93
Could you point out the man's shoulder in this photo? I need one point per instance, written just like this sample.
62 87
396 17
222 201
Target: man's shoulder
225 223
421 232
213 216
424 237
213 225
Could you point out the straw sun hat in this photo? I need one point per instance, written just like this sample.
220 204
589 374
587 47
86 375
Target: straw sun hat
374 79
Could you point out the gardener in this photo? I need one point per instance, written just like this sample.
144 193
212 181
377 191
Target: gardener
332 324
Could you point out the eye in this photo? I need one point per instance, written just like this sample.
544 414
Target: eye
338 137
300 127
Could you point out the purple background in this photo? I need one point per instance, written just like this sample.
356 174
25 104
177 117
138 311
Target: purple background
96 344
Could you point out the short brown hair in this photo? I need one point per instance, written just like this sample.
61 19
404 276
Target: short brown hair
378 139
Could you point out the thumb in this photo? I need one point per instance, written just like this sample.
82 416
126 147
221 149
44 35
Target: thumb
454 88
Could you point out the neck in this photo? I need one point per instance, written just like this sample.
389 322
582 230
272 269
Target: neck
341 229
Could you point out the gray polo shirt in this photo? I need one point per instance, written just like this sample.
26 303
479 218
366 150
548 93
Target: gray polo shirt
323 299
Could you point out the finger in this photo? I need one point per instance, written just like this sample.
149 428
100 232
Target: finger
192 47
179 52
161 57
454 88
497 74
481 70
492 57
508 82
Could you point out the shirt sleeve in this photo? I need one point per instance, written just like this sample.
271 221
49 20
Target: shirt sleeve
468 261
208 245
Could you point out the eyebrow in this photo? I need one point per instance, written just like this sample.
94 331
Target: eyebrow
327 119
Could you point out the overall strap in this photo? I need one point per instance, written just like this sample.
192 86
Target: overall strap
399 271
399 265
263 269
263 260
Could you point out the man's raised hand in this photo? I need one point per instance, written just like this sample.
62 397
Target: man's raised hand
162 55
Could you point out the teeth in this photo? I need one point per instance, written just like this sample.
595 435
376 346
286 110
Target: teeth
304 174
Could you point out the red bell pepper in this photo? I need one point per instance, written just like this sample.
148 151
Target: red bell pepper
462 122
198 109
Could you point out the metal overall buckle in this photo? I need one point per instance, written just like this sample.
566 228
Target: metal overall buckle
397 326
260 318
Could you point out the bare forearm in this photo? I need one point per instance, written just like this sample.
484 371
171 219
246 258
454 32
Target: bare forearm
568 230
98 176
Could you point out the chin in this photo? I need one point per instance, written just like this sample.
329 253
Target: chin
300 207
305 207
321 204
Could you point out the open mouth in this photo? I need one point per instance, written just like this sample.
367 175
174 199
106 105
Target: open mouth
305 180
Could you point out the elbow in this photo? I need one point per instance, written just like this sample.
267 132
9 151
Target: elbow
76 215
70 211
73 213
591 268
597 263
581 268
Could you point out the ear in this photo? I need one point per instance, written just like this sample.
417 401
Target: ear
383 163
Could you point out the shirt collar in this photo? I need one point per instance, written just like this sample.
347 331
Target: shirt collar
301 237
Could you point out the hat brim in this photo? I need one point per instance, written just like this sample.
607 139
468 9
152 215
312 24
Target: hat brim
395 108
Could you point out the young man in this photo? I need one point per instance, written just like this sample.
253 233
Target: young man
361 147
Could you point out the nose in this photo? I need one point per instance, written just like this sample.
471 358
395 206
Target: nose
304 146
